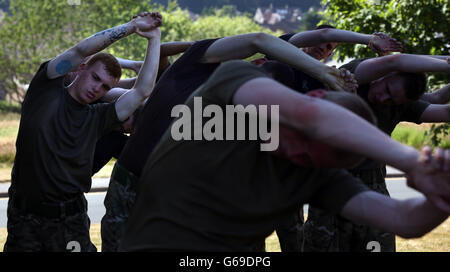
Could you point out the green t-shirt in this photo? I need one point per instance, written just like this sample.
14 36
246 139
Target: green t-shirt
224 195
56 141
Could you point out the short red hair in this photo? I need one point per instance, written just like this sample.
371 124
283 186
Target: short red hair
112 66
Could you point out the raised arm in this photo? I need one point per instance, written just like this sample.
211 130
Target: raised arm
436 113
378 42
73 57
130 101
413 217
246 45
167 49
327 122
375 68
172 48
409 218
340 128
441 96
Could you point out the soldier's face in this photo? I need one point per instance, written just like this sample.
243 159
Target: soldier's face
322 51
387 91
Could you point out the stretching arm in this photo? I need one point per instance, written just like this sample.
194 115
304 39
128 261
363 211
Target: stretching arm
327 122
376 68
340 128
246 45
130 101
436 113
379 42
409 218
441 96
70 59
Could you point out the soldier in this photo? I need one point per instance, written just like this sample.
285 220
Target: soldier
227 195
58 131
188 72
392 86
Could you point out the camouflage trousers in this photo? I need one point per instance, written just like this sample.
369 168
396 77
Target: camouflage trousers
287 232
323 232
28 232
118 202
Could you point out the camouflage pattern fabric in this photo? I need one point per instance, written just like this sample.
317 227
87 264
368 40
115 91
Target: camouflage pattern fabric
287 232
32 233
119 200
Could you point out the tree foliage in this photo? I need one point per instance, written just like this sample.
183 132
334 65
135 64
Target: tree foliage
310 20
422 27
35 31
198 6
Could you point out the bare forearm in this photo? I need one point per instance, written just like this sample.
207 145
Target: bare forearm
418 217
147 75
418 63
441 96
289 54
126 83
358 136
173 48
376 68
316 37
441 57
129 64
327 122
407 218
246 45
103 39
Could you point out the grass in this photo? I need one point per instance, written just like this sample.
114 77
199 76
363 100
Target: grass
437 240
405 134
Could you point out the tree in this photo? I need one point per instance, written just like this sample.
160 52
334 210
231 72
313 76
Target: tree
422 27
310 20
36 31
33 32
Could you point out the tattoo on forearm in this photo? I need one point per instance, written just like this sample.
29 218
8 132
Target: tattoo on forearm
114 34
63 67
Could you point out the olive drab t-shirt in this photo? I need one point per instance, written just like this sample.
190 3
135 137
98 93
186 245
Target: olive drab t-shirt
175 85
388 117
224 195
56 141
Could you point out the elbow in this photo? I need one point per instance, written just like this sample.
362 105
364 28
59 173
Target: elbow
260 38
147 91
393 62
324 34
79 51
